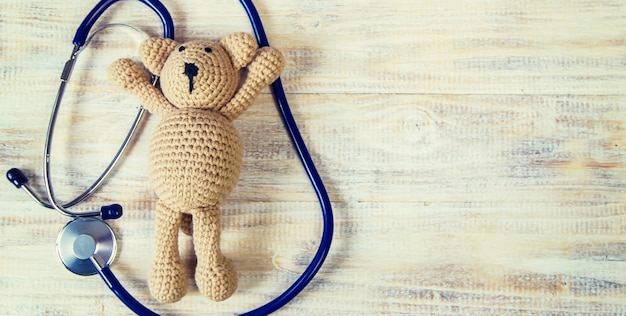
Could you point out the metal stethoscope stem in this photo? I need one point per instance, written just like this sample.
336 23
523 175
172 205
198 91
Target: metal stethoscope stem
81 38
65 76
19 179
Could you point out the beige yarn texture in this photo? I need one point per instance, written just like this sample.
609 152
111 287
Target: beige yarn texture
195 152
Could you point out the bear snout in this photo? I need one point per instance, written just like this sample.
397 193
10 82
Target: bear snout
191 70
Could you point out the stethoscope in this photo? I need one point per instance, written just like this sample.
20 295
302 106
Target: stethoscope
87 244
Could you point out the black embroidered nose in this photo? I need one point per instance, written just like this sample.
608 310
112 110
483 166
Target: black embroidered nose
191 71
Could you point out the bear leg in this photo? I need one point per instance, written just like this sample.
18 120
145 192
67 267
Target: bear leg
215 276
168 279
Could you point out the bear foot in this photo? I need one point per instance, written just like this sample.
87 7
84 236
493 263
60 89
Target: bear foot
217 281
168 281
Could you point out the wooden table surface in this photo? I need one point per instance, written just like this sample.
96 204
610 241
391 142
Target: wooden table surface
474 152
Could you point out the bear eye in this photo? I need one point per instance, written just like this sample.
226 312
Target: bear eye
182 48
208 49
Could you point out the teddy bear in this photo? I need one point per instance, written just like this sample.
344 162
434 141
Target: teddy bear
195 153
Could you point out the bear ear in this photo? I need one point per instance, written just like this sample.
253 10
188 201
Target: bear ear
154 51
241 47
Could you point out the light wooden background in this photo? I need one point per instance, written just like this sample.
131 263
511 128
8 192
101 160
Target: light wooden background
473 150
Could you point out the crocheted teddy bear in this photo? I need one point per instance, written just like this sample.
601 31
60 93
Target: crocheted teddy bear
195 152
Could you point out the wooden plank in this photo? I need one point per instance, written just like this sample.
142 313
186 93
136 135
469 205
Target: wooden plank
473 151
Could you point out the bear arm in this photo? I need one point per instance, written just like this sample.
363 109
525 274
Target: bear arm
131 77
263 70
153 100
242 100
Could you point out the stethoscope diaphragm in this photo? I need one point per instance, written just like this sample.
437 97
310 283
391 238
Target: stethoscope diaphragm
82 238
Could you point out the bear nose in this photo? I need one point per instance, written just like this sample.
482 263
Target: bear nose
191 71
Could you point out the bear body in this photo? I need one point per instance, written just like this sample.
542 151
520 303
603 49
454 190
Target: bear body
195 153
196 140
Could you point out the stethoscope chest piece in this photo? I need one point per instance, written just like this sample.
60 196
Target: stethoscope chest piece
82 238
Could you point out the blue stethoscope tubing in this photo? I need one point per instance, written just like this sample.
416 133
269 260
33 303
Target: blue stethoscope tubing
316 181
278 92
83 29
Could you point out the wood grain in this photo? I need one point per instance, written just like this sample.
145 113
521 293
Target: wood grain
473 151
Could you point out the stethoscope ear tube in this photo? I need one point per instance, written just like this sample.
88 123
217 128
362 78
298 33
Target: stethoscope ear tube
20 181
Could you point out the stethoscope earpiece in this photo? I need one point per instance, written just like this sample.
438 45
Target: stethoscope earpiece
113 211
17 177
